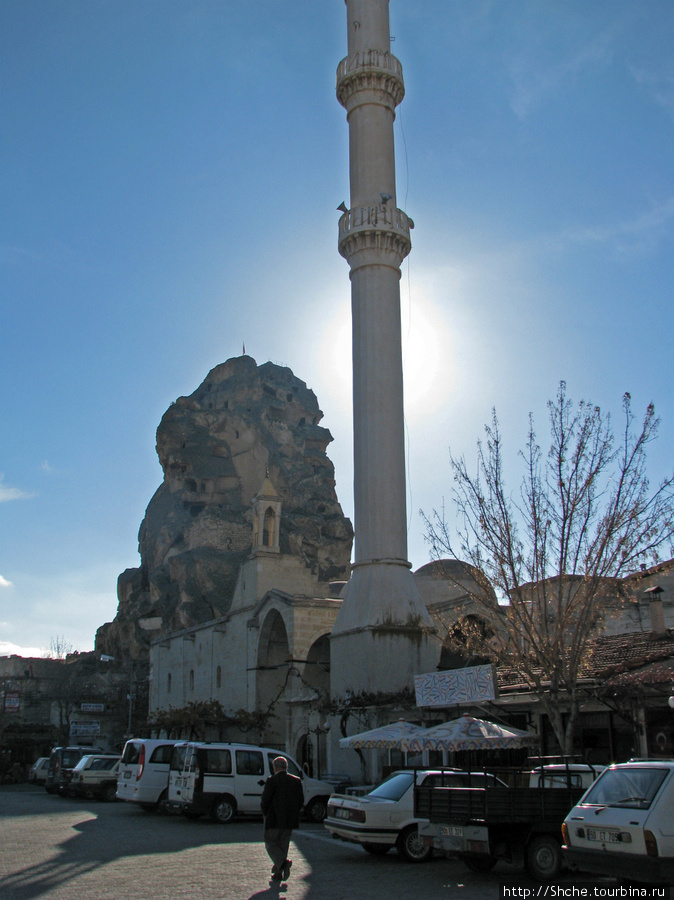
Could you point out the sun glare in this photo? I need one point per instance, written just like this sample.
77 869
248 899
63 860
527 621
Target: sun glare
426 348
427 365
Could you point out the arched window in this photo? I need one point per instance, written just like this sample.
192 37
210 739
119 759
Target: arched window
218 677
191 679
168 684
269 523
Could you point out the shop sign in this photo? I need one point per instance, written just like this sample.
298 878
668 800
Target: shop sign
84 729
12 702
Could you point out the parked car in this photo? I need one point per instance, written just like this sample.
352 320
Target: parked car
38 771
223 780
623 825
62 761
384 818
95 777
144 772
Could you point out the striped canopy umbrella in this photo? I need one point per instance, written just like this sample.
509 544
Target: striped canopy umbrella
387 737
467 733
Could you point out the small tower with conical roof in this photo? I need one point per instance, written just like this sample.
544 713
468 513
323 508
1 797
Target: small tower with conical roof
267 518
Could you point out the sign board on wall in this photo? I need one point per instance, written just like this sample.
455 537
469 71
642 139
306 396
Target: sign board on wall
84 729
474 684
92 707
12 702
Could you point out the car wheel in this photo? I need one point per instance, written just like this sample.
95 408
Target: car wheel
377 849
544 858
480 863
224 809
411 847
317 809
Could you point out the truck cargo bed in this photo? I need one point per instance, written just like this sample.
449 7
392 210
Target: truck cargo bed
461 805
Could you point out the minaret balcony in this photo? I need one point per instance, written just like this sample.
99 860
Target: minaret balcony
367 234
372 70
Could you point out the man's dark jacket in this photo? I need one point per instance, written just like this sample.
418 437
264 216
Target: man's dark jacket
282 800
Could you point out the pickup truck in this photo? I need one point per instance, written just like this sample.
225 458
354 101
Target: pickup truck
519 824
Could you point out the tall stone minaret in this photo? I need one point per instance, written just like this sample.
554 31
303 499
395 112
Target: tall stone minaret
381 638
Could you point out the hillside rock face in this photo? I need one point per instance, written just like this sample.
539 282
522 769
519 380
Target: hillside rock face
215 448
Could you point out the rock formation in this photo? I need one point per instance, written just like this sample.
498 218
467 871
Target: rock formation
215 448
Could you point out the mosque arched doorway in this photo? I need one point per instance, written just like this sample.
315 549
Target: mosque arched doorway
273 653
305 754
317 666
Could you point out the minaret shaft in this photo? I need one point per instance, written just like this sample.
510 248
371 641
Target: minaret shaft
381 636
379 439
371 155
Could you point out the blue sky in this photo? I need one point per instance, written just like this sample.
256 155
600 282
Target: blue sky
169 176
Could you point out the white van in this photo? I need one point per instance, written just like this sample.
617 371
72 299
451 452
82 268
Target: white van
223 780
144 772
623 826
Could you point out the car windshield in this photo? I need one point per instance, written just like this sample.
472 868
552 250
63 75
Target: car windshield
70 758
101 764
629 787
394 787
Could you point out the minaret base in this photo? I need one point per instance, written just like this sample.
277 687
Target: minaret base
383 635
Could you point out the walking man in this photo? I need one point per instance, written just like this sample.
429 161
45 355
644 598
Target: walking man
282 800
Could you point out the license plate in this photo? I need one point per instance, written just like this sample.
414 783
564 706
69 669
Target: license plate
342 813
606 837
127 774
451 831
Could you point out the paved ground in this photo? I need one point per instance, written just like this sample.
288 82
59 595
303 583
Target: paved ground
65 849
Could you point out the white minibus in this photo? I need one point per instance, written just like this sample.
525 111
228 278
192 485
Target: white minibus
144 772
225 780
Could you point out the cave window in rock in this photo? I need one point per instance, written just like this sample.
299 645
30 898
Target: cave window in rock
218 677
317 667
190 485
269 530
464 644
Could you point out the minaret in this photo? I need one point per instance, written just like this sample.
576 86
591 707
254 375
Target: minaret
381 637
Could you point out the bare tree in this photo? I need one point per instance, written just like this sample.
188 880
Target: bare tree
59 647
548 558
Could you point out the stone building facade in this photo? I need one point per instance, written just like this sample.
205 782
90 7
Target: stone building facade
270 653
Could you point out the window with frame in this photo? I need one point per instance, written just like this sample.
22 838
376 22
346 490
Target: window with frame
162 754
219 761
292 768
249 762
